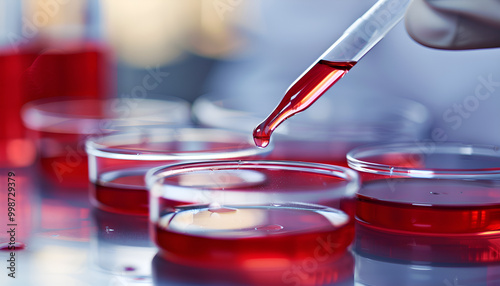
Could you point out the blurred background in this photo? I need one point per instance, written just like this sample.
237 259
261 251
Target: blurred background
230 62
244 54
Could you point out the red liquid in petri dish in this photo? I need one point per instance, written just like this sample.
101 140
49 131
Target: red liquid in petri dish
264 236
293 188
122 191
302 94
430 206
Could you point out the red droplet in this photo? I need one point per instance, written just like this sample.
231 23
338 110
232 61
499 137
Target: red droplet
260 137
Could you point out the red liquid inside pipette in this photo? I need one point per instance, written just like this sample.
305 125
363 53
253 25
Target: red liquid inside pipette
302 94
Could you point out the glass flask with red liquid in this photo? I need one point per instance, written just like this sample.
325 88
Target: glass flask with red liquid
119 162
55 51
36 71
251 213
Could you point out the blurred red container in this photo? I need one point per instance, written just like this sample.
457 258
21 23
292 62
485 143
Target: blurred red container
38 71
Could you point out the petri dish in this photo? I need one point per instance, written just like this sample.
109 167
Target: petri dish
250 214
59 127
118 162
440 189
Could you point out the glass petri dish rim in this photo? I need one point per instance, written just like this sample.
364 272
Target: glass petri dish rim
95 145
355 162
156 175
35 113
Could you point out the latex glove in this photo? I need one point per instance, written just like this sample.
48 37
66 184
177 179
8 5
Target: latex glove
454 24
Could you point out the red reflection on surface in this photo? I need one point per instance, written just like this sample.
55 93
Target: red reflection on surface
309 271
463 249
16 224
62 220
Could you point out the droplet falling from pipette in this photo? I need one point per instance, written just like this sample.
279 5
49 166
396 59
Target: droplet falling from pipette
301 94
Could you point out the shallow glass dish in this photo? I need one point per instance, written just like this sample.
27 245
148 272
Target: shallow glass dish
251 213
441 189
118 162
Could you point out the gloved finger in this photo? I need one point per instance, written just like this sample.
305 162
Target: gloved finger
483 11
445 28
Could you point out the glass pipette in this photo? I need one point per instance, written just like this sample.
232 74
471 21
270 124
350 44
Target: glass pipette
333 64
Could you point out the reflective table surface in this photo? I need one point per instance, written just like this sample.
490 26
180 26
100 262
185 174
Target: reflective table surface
68 242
